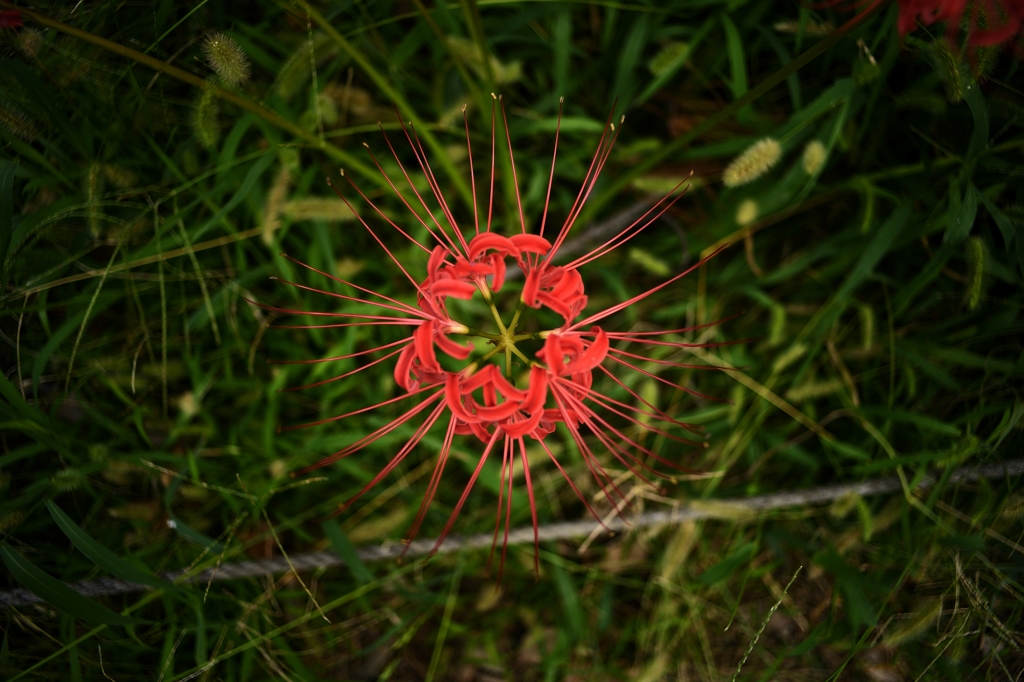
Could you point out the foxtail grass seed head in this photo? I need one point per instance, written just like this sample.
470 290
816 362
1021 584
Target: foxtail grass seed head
206 118
67 480
16 122
667 57
275 200
814 157
916 627
746 212
814 389
976 257
93 191
757 160
777 331
950 68
30 40
227 58
10 520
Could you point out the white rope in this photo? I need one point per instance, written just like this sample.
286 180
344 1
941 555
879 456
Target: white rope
556 531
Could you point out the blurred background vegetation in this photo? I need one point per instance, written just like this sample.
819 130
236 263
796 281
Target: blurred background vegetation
877 288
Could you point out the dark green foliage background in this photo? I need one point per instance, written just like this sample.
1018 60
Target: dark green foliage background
880 299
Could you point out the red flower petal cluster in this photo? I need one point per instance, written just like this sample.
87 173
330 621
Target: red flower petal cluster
1002 18
479 400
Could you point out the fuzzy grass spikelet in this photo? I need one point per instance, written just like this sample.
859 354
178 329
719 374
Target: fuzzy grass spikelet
206 118
917 625
16 122
814 156
29 41
747 212
976 258
227 58
757 160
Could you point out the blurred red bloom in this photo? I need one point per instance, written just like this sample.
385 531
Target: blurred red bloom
992 22
477 399
11 19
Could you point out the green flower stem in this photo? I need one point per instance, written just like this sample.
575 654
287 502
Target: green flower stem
470 331
515 318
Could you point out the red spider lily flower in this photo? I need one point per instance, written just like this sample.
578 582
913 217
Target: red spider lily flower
479 399
992 22
11 19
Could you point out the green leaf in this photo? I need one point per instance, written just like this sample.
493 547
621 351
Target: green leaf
192 535
727 566
629 57
71 324
926 423
99 554
1001 219
979 136
569 595
248 185
344 548
878 246
852 584
59 595
737 58
8 169
670 69
961 213
793 80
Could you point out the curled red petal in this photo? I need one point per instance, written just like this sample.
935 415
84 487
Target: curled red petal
436 259
455 350
530 288
498 412
558 305
537 394
481 378
465 269
489 240
553 354
518 429
498 268
423 338
531 243
502 386
453 397
592 356
454 288
403 366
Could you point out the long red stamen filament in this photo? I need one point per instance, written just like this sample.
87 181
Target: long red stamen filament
367 409
407 307
625 304
342 357
446 242
551 177
435 480
465 493
397 309
374 234
346 374
472 175
533 506
512 161
435 187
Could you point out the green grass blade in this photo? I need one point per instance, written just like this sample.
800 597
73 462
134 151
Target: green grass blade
99 554
59 595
